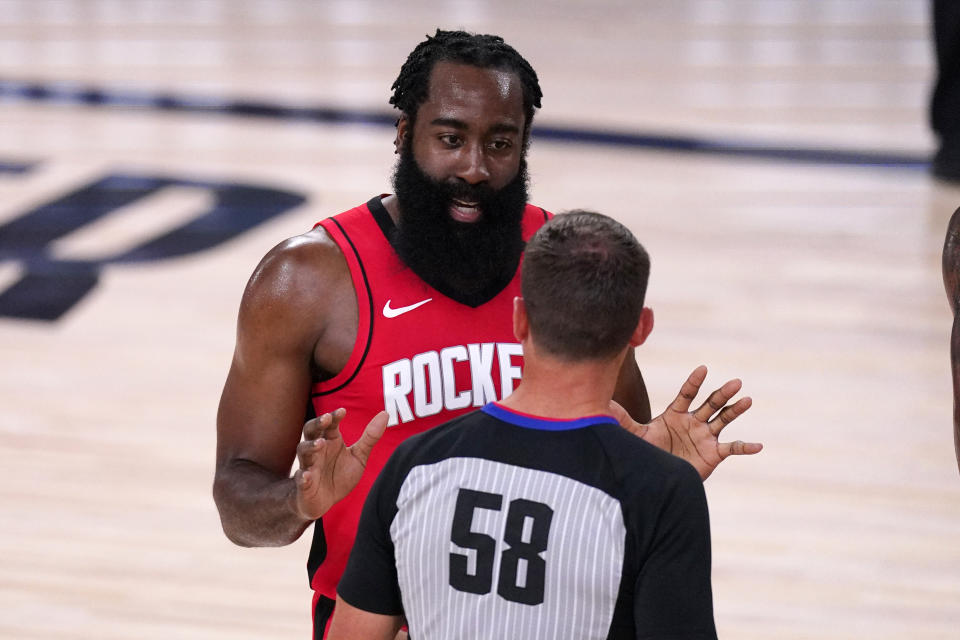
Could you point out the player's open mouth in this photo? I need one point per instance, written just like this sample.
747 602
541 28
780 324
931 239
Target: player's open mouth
464 211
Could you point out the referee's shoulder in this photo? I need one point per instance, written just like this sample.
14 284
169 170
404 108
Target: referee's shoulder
634 456
440 436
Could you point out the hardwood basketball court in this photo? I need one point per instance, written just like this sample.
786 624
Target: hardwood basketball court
769 154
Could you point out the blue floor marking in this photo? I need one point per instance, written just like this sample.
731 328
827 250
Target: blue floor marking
16 167
72 93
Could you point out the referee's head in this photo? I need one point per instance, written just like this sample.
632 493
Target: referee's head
583 281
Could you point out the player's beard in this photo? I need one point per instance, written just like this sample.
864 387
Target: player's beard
470 262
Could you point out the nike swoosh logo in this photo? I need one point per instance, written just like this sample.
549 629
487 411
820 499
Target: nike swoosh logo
393 313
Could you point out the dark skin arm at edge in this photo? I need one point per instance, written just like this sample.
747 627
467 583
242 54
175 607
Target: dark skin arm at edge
951 282
631 392
955 368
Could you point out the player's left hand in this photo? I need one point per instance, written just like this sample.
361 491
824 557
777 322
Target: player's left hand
329 469
694 435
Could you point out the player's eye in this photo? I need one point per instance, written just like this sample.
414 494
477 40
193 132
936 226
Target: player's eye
450 140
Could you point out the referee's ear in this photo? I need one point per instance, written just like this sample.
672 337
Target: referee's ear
521 324
644 327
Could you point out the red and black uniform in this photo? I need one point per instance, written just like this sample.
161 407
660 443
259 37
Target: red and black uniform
420 355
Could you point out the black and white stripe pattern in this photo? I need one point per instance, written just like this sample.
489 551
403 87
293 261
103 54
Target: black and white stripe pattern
582 574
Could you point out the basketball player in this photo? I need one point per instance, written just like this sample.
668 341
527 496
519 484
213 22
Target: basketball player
401 305
539 516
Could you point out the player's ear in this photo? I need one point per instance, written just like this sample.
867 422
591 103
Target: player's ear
403 133
521 324
644 327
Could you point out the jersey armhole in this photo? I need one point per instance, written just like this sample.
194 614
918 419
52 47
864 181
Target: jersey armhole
361 287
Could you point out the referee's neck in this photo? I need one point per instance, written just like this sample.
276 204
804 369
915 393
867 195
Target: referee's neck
563 389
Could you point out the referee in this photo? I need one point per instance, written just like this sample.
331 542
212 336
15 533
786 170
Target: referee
540 516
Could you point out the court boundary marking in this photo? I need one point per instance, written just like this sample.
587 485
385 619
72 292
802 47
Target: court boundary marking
69 93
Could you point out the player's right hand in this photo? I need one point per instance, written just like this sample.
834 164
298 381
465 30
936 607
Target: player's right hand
329 469
695 435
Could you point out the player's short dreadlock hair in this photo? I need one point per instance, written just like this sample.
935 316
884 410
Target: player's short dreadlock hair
412 86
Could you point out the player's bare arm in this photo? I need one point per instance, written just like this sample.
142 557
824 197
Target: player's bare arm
297 312
631 392
955 370
951 282
695 435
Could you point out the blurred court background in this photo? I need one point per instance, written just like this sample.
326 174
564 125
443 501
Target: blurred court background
771 155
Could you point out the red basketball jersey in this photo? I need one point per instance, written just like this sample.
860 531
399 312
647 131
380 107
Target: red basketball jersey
419 355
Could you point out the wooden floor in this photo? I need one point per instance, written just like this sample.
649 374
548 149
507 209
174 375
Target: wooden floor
816 283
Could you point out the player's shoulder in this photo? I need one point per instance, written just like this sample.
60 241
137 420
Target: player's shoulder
314 256
312 250
304 262
296 286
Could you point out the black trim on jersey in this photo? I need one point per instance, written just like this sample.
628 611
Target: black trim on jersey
321 614
366 349
381 216
546 216
318 550
318 546
310 412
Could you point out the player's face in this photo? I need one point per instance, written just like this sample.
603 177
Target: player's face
468 134
461 182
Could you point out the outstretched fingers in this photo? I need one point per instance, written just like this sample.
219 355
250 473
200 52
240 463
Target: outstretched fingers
729 414
316 433
738 448
371 435
689 390
319 426
717 400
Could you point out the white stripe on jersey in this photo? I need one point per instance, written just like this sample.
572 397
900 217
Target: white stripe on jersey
582 562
